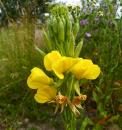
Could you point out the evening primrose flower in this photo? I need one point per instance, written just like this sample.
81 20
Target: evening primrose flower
63 65
50 58
81 68
45 94
59 64
38 78
85 69
40 81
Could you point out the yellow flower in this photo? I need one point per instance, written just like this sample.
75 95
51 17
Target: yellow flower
40 81
45 94
62 65
85 69
38 78
81 68
50 58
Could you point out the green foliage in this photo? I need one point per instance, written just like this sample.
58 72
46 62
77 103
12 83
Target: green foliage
85 123
104 47
16 10
19 54
62 31
17 58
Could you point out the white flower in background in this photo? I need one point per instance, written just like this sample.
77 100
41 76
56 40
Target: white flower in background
70 2
46 14
97 5
119 13
94 3
74 2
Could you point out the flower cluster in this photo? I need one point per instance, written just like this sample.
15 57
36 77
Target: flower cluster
47 90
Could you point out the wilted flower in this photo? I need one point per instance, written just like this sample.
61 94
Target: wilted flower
84 22
60 100
77 100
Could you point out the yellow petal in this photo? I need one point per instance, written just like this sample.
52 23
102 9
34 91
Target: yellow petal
78 69
50 58
62 65
38 78
85 69
92 72
45 94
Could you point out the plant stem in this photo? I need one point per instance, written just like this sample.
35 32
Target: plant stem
68 116
69 119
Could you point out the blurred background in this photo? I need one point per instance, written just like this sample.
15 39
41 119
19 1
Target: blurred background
21 24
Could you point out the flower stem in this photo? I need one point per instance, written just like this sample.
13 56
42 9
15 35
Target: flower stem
68 116
69 119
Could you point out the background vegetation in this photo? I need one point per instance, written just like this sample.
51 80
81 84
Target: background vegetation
102 38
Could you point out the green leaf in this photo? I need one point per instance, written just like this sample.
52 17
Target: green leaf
99 90
101 109
78 48
83 81
85 123
47 40
40 51
98 127
114 118
95 97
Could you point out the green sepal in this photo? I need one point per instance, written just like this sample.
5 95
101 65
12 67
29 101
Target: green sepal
77 88
76 28
61 32
78 48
